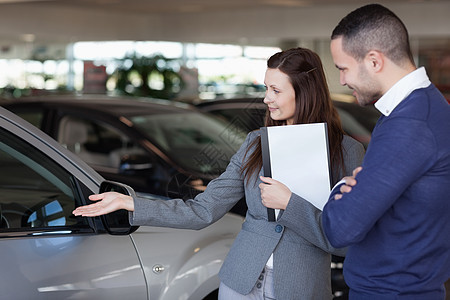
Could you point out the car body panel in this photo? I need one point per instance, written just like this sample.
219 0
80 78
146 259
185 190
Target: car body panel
195 272
65 267
82 261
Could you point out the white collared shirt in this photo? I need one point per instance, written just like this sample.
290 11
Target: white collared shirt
398 92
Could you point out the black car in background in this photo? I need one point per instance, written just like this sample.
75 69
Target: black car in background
249 113
155 146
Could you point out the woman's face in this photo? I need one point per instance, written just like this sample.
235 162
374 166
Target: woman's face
280 96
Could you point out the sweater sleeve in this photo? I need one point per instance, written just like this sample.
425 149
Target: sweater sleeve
220 196
401 150
305 219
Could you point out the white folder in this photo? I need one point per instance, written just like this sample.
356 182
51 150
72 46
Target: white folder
298 156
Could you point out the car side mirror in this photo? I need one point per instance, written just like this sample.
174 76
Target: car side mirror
118 222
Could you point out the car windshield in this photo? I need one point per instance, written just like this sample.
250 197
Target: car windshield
195 141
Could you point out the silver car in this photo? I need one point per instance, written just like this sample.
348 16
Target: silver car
48 253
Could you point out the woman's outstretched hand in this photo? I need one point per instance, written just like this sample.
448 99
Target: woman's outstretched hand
274 194
107 202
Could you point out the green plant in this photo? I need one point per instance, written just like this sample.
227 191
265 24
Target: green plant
154 76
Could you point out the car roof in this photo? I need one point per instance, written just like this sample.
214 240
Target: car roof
113 105
257 102
233 103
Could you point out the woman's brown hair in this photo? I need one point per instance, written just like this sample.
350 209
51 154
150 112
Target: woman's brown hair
312 105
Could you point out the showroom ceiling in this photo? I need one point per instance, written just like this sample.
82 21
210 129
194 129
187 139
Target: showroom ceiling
257 22
188 6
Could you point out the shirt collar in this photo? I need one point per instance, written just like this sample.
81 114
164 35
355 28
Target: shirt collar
398 92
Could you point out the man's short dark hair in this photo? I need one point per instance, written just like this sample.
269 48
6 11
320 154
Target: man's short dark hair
374 27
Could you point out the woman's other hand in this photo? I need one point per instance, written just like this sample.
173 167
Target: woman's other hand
274 194
107 202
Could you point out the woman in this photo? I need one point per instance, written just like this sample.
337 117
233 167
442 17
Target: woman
299 259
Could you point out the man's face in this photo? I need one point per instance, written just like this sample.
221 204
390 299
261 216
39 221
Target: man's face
355 75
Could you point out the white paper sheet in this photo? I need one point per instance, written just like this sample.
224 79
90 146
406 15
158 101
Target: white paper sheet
299 158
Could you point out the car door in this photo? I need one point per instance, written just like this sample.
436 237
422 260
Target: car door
46 252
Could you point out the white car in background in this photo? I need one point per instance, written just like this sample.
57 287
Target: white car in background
48 253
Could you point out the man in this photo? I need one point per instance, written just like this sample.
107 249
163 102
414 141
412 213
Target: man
394 215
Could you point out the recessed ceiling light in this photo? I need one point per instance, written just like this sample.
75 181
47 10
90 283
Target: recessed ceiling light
28 37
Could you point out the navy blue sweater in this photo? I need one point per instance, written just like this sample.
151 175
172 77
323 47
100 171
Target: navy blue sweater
396 220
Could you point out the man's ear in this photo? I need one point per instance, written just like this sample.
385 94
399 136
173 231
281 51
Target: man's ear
374 61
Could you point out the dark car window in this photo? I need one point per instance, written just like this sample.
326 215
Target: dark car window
35 192
357 121
248 118
195 141
354 128
34 117
98 144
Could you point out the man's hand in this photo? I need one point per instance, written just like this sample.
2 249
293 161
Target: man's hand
350 182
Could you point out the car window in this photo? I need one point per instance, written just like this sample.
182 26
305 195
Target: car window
354 128
247 119
194 140
97 143
33 117
35 192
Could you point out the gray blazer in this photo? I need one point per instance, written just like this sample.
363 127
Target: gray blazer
297 241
